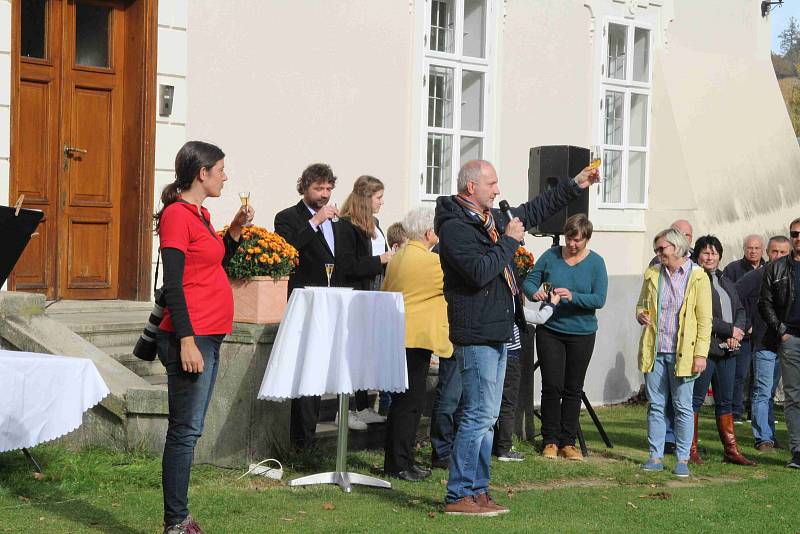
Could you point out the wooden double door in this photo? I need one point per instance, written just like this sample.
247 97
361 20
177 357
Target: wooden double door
82 117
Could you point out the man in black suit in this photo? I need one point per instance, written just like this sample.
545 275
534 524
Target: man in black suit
310 228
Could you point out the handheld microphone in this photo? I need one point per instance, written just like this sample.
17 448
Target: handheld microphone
506 209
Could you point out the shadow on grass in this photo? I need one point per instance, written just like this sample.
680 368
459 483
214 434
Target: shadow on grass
46 495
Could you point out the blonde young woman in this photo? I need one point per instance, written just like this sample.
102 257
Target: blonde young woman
675 308
365 255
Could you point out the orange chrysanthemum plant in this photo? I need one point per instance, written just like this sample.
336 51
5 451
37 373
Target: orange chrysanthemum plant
261 253
523 263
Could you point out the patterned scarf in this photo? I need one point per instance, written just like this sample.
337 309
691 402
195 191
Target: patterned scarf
487 220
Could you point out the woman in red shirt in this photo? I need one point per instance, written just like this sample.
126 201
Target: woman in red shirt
198 313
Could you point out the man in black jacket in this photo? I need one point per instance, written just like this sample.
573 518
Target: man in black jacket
476 254
779 306
766 371
752 259
310 228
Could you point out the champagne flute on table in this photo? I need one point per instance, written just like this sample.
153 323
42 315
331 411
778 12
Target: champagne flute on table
244 198
329 272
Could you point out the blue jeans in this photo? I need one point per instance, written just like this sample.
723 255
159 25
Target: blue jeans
720 373
483 369
669 420
189 395
446 408
765 362
659 384
743 367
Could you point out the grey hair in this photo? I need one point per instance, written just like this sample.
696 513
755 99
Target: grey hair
779 239
470 172
753 236
417 222
675 238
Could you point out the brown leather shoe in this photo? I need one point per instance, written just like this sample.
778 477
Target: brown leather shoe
468 506
570 452
550 451
765 447
694 456
727 436
486 502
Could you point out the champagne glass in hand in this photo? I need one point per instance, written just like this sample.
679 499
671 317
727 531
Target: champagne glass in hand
596 158
244 198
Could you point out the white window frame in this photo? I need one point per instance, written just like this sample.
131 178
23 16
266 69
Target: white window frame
459 63
627 86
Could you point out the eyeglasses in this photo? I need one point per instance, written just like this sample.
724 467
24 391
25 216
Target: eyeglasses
794 234
660 250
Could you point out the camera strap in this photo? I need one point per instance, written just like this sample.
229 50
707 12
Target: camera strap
156 291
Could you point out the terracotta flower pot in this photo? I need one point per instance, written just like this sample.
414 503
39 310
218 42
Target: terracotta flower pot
259 300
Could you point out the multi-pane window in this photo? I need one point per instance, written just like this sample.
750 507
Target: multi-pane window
625 115
456 78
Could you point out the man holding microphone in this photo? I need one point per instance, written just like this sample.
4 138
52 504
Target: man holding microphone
477 244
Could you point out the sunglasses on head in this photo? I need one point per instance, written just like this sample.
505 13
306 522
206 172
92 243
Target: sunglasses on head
794 234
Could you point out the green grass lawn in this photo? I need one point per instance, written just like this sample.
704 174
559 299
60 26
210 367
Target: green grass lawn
101 491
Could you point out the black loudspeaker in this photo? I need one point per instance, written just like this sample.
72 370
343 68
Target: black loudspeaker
549 165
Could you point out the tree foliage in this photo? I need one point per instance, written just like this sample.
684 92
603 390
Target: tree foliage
785 65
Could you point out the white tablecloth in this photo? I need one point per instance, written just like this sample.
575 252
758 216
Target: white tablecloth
337 341
43 397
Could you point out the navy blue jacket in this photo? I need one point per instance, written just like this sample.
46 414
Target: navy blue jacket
480 308
749 288
736 269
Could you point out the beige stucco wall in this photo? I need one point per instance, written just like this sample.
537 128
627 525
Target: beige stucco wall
725 155
293 83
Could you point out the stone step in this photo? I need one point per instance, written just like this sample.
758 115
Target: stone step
64 307
124 355
108 329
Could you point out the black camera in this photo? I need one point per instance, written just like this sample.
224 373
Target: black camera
146 347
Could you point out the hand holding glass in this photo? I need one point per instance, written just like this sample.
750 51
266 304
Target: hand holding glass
595 159
244 198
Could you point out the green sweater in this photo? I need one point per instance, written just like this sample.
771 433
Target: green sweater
588 282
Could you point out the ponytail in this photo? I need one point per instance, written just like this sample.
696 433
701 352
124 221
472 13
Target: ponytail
190 160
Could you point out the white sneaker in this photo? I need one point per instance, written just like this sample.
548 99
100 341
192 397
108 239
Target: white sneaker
369 416
353 422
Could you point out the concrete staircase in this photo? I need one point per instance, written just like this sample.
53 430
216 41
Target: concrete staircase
113 326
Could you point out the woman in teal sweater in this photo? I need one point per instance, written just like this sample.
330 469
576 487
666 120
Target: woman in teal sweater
565 343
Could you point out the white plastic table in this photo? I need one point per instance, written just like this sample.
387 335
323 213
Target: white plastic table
43 397
338 341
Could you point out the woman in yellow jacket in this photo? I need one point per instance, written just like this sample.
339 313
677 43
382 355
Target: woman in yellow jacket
416 273
675 309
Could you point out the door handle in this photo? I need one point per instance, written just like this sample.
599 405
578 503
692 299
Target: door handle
71 149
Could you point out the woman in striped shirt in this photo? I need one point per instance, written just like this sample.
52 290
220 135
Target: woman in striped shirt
675 308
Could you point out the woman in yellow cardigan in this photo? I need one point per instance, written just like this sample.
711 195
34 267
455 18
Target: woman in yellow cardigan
675 309
416 273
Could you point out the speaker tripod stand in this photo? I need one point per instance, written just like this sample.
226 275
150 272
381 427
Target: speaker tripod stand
592 414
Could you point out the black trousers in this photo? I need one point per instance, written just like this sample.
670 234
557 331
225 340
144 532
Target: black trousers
303 421
564 359
504 428
405 412
362 399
